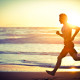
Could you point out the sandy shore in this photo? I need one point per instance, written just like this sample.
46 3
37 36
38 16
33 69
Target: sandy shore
15 72
39 76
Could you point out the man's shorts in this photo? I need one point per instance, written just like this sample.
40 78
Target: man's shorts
68 48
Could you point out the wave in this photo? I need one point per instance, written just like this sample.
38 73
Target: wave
34 53
32 59
23 35
31 53
31 40
34 40
38 64
51 65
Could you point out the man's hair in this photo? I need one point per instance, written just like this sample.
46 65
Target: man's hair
62 15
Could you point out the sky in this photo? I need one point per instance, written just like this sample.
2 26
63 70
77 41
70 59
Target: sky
38 13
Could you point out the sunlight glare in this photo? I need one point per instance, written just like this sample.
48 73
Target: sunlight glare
74 18
73 69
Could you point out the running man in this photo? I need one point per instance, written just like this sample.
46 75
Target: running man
68 42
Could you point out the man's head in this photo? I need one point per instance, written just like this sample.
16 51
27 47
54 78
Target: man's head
63 18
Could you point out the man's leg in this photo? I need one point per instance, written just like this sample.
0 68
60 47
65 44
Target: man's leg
57 64
62 54
75 57
73 53
56 67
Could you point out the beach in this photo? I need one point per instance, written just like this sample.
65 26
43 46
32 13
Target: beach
35 73
38 76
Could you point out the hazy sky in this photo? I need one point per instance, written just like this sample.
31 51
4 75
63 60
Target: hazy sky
38 13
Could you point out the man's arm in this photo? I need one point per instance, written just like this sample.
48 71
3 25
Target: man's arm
76 32
58 33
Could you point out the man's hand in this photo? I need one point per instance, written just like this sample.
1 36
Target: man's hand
57 32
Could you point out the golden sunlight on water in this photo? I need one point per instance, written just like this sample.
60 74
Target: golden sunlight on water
73 69
69 70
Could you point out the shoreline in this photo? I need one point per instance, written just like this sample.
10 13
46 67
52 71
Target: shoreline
18 72
21 68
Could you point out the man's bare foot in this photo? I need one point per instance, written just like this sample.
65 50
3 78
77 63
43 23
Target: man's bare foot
50 72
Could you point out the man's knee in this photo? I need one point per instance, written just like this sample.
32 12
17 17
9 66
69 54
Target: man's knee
75 58
59 58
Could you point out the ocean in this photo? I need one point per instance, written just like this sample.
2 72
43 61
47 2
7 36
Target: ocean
34 46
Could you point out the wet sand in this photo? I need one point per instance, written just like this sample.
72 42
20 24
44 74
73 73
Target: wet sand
39 76
14 72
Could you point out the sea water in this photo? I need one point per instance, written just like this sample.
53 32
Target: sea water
34 47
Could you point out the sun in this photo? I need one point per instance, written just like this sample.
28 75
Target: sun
74 19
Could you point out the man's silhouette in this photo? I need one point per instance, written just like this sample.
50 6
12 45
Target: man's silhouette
68 42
